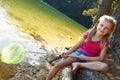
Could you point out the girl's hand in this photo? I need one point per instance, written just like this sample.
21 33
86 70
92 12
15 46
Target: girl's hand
64 55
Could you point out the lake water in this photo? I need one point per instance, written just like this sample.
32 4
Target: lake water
39 19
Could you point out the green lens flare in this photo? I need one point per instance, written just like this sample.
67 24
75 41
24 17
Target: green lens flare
13 53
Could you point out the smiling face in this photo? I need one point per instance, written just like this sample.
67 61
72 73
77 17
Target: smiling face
104 27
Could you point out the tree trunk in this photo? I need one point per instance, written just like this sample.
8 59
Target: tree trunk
115 39
103 9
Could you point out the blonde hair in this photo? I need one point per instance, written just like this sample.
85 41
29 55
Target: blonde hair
93 30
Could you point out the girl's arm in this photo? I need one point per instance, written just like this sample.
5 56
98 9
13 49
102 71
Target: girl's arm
101 57
75 47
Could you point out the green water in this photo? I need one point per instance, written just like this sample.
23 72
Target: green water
36 17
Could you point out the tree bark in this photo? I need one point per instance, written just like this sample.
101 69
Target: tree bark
103 9
115 39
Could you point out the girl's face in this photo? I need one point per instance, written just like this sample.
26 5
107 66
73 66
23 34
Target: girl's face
104 27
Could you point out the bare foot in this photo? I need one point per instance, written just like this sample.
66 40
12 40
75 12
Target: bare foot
75 67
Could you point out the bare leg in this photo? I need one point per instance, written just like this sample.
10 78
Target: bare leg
58 66
98 66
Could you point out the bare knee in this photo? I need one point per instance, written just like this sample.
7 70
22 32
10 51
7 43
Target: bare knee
104 67
58 66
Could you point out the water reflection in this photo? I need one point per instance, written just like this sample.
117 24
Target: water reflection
9 33
35 17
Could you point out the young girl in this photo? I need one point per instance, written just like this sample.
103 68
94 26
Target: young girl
90 51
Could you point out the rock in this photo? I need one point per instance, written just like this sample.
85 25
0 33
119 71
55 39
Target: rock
34 67
65 73
84 74
7 71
